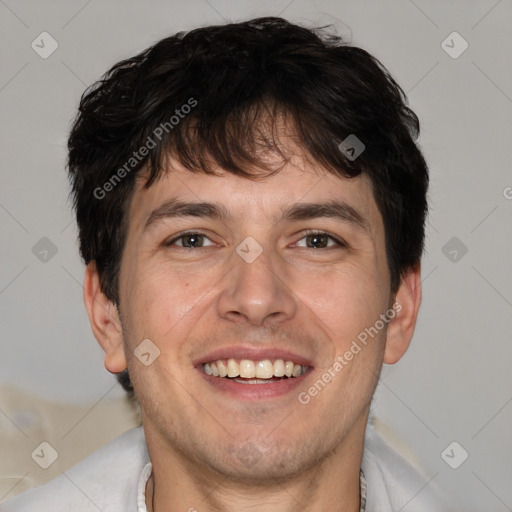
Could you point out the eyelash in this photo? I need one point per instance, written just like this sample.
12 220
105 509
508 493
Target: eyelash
307 233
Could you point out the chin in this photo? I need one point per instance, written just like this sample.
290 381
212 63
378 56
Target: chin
262 463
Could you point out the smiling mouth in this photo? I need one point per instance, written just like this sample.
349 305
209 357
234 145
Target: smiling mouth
247 371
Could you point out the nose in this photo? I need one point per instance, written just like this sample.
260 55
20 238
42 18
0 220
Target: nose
258 292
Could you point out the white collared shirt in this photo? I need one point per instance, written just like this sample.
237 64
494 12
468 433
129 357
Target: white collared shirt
114 478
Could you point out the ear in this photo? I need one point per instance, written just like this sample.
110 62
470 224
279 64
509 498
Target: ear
406 306
105 321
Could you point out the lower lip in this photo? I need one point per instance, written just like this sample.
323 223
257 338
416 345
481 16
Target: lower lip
242 391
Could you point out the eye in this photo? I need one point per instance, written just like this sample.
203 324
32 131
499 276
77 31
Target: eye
320 240
317 240
190 240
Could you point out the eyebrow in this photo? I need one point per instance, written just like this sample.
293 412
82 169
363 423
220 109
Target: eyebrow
336 209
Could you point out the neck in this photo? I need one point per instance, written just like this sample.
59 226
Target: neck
332 483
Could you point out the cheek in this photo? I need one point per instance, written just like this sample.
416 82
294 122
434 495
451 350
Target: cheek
146 303
347 301
160 301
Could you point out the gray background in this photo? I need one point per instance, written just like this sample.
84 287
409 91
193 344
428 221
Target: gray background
455 382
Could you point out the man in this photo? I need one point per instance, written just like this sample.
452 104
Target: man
251 207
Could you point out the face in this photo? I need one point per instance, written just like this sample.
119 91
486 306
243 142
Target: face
271 280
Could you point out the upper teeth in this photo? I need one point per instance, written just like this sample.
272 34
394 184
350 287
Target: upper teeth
247 369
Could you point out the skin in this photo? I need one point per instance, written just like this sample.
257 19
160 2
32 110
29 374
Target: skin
312 301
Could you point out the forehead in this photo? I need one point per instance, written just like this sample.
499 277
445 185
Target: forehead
265 199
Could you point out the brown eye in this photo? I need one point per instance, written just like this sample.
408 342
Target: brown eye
190 240
320 240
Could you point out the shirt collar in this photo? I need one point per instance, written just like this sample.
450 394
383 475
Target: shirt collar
141 488
363 491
